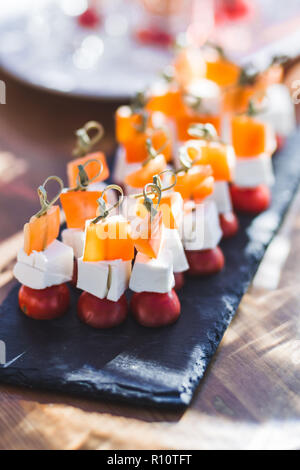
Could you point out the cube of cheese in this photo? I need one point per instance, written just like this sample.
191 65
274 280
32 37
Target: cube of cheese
152 274
93 277
201 227
74 238
172 243
209 94
118 279
280 112
104 279
42 269
221 196
254 171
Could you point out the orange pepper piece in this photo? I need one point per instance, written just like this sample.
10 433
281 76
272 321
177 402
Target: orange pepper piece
188 181
108 240
222 72
219 156
236 99
92 168
148 235
169 102
40 232
249 136
79 206
171 205
204 189
127 124
136 150
143 176
184 121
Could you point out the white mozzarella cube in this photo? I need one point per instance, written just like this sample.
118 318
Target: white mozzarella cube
222 198
209 95
172 243
74 238
280 112
93 277
201 227
152 275
118 279
254 171
42 269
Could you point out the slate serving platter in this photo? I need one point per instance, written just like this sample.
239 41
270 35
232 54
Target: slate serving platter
137 365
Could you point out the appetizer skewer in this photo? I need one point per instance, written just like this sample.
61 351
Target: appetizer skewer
154 302
104 269
207 149
44 264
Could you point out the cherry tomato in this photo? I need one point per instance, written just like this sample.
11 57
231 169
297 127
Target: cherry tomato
89 19
154 310
229 224
252 200
205 262
44 304
179 281
101 313
154 37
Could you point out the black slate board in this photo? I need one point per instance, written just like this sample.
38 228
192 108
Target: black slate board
137 365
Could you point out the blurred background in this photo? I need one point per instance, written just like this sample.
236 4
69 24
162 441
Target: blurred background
64 62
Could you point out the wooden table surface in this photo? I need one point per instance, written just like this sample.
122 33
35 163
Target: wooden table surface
249 398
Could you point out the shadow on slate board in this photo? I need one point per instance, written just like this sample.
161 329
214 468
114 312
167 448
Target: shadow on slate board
138 365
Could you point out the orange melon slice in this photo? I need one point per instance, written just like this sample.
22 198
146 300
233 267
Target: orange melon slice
79 206
250 137
147 235
136 150
218 155
171 206
143 176
91 169
188 181
184 121
204 189
40 232
222 72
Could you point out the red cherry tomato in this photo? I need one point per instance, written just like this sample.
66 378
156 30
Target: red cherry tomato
44 304
205 262
154 310
179 281
89 19
101 313
229 224
154 37
252 200
232 10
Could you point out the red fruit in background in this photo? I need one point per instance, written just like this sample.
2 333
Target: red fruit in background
154 37
101 313
205 262
154 310
230 10
252 200
89 19
179 281
229 224
44 304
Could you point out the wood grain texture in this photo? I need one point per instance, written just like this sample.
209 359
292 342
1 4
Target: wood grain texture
250 395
